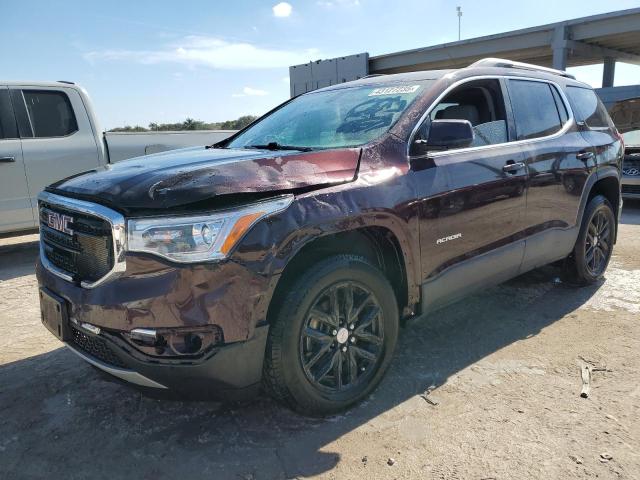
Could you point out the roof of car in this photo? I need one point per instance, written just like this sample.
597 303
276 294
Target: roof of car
30 83
394 78
487 66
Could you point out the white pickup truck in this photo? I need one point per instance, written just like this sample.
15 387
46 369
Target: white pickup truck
49 131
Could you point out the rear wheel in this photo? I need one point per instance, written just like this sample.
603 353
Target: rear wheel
592 252
332 337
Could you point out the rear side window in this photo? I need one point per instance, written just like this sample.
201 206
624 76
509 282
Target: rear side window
534 108
8 127
50 113
588 107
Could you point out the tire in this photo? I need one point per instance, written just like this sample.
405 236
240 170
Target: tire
297 354
579 266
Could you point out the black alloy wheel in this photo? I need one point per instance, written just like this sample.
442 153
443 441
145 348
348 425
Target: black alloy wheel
342 338
598 245
331 336
594 245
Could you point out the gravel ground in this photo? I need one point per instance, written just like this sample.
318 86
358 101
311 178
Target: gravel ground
502 368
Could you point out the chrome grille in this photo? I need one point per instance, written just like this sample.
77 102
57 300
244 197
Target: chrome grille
80 241
87 254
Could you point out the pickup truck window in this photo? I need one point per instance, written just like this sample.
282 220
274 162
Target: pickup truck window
50 113
8 127
534 109
338 118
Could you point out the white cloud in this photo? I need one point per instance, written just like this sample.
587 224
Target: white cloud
282 9
251 92
211 52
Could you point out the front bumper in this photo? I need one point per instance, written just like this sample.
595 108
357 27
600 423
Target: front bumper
227 372
155 295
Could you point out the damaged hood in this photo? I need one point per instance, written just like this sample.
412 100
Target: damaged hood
190 175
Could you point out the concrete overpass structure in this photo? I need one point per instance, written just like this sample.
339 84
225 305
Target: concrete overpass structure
604 38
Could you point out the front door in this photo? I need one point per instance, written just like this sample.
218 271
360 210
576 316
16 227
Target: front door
15 204
471 230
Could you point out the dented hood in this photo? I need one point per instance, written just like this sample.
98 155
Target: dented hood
185 176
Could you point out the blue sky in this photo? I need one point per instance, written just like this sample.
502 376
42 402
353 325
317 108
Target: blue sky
145 61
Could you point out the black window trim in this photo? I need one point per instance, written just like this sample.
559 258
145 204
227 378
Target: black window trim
565 128
21 91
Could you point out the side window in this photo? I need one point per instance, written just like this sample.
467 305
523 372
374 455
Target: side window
8 128
588 107
534 109
50 113
482 104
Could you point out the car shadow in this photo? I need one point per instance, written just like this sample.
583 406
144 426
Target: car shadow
61 419
631 212
18 260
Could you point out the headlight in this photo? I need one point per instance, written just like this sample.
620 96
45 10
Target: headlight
198 238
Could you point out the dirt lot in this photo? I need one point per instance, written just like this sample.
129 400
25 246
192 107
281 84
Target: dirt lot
505 365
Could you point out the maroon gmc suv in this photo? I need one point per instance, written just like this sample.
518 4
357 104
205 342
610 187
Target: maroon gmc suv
287 255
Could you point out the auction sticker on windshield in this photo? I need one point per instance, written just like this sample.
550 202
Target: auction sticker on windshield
394 90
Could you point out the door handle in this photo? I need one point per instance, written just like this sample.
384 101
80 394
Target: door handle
584 155
7 159
512 167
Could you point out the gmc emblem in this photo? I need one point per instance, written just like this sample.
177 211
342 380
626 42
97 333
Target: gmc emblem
59 222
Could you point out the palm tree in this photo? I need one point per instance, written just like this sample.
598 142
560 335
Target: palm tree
189 124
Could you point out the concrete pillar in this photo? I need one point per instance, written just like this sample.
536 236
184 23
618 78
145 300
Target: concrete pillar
609 72
559 47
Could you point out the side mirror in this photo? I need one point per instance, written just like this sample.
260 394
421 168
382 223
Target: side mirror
445 135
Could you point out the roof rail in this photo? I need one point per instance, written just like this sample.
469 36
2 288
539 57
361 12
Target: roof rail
66 81
500 62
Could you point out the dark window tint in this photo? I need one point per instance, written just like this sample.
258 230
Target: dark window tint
8 127
588 107
534 109
50 113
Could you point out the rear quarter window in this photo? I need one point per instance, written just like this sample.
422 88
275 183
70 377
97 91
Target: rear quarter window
534 109
50 113
588 108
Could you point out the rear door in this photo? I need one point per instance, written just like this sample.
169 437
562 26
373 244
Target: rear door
15 206
557 157
57 137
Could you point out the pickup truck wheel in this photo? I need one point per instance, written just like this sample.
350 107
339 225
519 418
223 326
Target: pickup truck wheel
592 252
333 337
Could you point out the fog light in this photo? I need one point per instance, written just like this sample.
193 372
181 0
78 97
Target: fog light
172 342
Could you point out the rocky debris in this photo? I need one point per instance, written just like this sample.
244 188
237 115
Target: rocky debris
576 459
605 457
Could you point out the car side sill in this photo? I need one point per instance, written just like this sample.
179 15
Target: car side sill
462 279
127 375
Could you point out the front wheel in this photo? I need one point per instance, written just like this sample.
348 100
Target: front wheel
332 338
592 252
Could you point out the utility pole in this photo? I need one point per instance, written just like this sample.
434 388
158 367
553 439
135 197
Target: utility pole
459 10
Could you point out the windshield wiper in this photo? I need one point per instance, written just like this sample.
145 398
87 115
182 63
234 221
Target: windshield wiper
277 146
